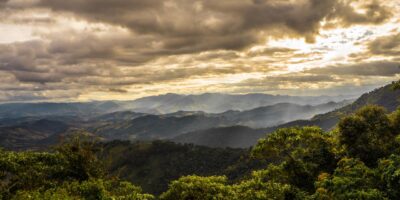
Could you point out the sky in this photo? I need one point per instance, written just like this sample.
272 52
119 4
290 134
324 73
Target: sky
75 50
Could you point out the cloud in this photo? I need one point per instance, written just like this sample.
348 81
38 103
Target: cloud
192 26
163 28
22 56
387 45
377 68
120 45
372 13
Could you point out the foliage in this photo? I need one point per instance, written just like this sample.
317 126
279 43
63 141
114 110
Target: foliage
72 171
199 188
396 85
264 185
216 188
368 134
303 152
351 180
389 170
153 165
90 189
360 159
353 161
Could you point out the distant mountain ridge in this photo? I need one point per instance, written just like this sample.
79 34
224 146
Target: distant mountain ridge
162 104
233 136
30 135
17 110
128 125
218 103
384 96
231 128
168 126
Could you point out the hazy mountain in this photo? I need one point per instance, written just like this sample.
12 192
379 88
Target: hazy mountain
151 127
31 135
234 136
384 96
33 126
163 104
221 137
185 126
153 165
17 110
278 114
167 126
217 103
118 116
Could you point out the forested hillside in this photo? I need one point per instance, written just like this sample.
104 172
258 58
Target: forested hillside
384 96
244 137
217 103
153 165
360 159
233 136
38 132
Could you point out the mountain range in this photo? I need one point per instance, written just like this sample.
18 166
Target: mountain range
384 96
38 125
218 103
168 126
162 104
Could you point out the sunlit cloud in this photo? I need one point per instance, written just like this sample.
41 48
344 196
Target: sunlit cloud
56 50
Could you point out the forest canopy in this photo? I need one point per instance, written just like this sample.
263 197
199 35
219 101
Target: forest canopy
359 159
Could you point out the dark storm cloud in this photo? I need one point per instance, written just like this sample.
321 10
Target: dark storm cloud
270 51
378 68
185 26
37 77
212 33
296 78
388 45
43 62
24 56
162 28
304 78
374 13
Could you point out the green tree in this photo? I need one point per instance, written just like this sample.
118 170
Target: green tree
394 118
266 184
351 180
368 134
390 175
72 171
199 188
396 85
80 160
302 153
94 189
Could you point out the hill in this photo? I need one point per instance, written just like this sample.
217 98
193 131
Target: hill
90 109
234 136
384 96
37 132
152 165
163 104
31 135
217 102
291 163
168 126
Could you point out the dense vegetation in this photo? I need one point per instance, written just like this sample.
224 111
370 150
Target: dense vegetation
358 159
72 171
153 165
384 96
